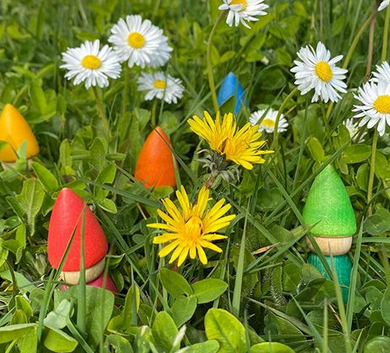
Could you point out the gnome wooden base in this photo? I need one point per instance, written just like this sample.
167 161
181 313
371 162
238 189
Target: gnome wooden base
331 245
73 277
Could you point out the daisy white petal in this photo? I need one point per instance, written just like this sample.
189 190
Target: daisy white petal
91 65
353 129
160 85
317 71
382 73
139 42
241 11
374 105
383 5
266 119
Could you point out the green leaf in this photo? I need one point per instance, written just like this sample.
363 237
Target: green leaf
223 327
270 347
30 201
385 306
175 283
121 344
21 303
13 332
210 346
356 153
378 345
108 205
29 342
38 97
57 319
315 149
23 283
48 180
59 341
209 289
183 309
128 318
164 332
378 223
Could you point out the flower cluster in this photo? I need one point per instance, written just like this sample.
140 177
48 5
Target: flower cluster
134 40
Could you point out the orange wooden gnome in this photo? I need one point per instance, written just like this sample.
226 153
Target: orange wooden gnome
155 163
14 130
66 219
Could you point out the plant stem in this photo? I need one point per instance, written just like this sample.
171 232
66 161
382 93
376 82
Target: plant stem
372 170
125 91
375 139
280 111
351 51
210 64
370 46
100 108
385 35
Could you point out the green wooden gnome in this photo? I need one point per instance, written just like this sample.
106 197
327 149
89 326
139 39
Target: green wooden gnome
329 212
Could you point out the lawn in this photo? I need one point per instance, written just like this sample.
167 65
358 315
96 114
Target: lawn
194 176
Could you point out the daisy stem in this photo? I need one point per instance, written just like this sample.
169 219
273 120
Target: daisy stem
153 114
100 109
372 171
375 139
210 64
351 51
385 35
280 112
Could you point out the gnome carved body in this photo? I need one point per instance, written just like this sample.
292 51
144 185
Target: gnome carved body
66 221
329 213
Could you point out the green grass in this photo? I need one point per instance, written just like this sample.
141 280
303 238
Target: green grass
274 295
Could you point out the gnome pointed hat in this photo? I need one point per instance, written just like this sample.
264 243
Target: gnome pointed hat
328 206
231 87
14 129
67 215
155 163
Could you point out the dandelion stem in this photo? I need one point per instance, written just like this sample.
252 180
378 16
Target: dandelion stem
210 64
100 108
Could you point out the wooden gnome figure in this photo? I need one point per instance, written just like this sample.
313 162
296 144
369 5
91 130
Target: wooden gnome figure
155 163
329 213
14 130
67 220
102 281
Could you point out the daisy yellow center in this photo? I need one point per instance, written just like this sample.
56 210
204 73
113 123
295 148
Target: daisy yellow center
239 2
193 229
136 40
324 71
160 84
382 104
268 123
91 62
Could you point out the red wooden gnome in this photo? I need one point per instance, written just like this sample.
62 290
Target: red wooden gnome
66 218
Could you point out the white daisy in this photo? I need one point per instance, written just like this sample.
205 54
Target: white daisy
161 86
317 71
140 42
353 129
91 65
375 105
269 120
243 10
383 73
383 5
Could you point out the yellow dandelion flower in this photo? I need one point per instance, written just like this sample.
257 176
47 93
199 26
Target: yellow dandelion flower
192 227
242 146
